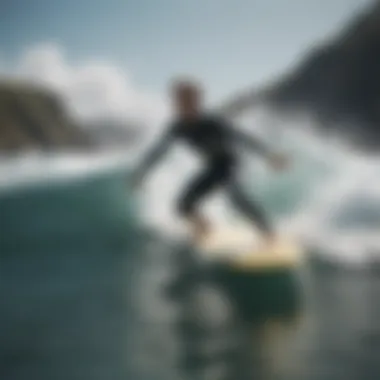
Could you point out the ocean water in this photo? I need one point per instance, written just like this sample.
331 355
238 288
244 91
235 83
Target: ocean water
89 291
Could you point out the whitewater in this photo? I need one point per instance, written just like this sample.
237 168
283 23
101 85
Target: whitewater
329 199
87 263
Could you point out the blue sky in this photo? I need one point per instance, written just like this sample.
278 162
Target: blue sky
230 44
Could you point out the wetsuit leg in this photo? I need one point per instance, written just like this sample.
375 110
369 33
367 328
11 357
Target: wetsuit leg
201 186
248 208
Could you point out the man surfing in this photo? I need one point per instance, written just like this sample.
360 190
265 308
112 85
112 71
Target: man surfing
215 141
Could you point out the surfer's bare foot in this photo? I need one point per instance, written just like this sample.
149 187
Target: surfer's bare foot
201 232
201 228
268 241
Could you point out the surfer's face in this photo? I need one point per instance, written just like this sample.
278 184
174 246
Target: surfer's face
187 100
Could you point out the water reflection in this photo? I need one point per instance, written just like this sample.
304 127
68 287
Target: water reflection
85 294
224 328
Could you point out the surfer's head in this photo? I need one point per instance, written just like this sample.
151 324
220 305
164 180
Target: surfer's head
187 97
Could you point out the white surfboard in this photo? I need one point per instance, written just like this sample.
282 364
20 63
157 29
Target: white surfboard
242 247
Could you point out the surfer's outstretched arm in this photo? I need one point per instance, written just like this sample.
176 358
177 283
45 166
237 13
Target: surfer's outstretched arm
276 160
154 155
251 142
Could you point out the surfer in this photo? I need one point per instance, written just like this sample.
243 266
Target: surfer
214 140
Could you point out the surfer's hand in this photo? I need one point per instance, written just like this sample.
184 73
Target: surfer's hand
279 162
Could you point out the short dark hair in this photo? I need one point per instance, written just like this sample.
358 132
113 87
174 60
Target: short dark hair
185 84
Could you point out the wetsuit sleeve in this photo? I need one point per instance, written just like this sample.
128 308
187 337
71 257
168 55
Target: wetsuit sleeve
245 139
155 153
251 142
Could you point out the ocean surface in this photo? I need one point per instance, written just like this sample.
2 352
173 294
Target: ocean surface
90 292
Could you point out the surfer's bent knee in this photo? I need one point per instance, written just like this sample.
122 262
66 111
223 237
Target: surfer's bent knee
186 209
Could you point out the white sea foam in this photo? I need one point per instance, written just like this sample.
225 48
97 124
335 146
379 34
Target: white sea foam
330 198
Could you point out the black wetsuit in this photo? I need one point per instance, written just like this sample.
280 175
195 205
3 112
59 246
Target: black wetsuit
215 142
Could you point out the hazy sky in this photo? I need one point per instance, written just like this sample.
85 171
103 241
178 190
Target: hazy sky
229 44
